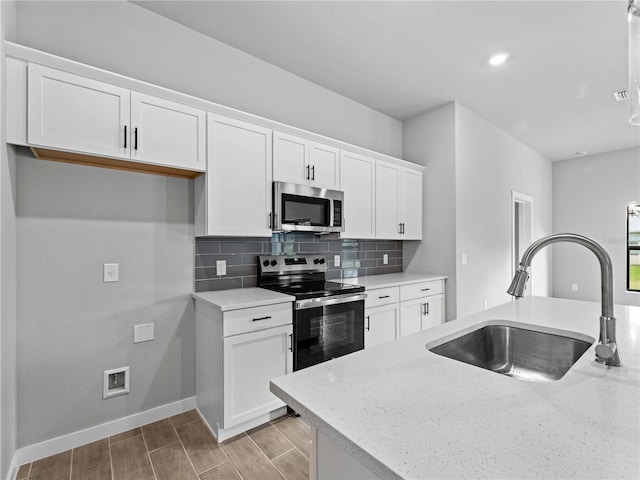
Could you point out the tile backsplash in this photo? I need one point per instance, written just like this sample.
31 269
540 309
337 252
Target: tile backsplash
358 257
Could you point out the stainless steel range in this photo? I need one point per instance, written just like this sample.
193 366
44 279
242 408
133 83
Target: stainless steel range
328 319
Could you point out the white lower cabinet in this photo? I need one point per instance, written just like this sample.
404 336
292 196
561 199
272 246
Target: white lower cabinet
380 325
421 306
237 353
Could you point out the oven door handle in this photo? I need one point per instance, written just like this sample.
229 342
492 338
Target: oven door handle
326 301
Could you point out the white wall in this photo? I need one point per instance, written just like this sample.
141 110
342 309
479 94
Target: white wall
8 355
472 168
124 38
590 195
429 140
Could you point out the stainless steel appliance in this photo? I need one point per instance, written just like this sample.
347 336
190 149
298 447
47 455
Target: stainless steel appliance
307 209
328 318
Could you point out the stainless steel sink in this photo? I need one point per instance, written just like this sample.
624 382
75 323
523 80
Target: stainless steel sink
515 351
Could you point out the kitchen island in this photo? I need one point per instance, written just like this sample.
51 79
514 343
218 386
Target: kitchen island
400 411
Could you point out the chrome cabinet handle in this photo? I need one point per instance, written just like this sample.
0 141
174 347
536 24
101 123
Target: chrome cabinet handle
269 222
424 289
385 296
424 308
368 322
427 308
125 136
291 343
313 172
135 138
308 175
261 318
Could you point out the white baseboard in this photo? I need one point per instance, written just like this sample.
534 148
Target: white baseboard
76 439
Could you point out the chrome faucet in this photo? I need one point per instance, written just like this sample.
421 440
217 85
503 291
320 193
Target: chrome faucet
606 350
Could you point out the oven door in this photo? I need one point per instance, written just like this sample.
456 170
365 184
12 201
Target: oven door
327 331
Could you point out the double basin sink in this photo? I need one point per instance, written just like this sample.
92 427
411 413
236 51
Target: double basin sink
515 350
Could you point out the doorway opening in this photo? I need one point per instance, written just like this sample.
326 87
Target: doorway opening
521 230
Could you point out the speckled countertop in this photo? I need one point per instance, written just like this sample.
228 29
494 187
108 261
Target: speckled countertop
405 412
237 298
391 279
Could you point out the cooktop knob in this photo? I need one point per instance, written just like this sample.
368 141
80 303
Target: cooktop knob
321 260
274 263
316 261
265 263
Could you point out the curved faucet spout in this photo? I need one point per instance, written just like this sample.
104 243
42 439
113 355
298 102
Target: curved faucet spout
606 351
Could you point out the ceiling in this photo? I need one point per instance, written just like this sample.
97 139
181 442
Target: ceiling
554 93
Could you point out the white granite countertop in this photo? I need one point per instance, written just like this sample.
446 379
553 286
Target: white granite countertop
391 279
405 412
237 298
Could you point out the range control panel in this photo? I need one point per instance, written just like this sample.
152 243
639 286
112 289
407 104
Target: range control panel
291 263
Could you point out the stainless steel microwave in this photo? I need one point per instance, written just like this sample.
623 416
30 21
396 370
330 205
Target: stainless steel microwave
304 208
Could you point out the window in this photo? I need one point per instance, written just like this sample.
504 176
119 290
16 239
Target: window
633 248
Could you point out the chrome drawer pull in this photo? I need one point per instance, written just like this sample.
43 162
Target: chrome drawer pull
385 296
261 318
424 289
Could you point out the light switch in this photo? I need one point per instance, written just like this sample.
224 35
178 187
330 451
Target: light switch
143 332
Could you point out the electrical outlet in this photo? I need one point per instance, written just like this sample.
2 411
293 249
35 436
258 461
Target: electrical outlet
385 258
221 267
336 260
110 272
574 287
143 332
464 259
115 382
485 304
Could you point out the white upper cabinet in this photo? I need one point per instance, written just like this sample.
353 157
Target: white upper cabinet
167 132
358 181
388 201
411 203
236 200
75 113
300 161
398 202
84 116
325 166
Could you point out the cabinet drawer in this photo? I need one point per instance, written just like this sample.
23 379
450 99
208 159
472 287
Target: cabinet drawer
257 318
423 289
382 296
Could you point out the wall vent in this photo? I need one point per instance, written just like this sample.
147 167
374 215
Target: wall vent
621 95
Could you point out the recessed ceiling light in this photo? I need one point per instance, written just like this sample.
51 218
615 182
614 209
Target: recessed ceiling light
498 59
581 153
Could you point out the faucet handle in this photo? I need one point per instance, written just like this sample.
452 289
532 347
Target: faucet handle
605 351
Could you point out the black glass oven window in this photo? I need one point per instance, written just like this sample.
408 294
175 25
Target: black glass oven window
327 332
300 210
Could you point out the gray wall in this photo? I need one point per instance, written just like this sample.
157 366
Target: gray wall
429 140
125 38
489 165
8 269
72 219
472 167
590 195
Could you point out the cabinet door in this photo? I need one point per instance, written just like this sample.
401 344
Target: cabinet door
325 166
358 181
411 313
411 203
290 159
433 313
387 201
251 360
238 183
380 325
74 113
167 133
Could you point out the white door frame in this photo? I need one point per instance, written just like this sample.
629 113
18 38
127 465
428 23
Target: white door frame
526 228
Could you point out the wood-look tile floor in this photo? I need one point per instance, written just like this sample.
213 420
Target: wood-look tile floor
183 448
